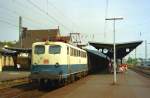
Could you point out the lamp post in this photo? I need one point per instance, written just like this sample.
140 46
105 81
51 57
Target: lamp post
146 50
20 31
114 44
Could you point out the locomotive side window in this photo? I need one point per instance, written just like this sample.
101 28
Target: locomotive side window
39 49
71 51
67 50
74 52
79 53
84 55
55 49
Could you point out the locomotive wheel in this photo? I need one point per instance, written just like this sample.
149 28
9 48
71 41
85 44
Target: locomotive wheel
84 73
45 84
76 77
68 80
63 82
41 83
72 78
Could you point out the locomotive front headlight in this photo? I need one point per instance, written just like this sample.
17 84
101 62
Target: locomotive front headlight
57 64
46 61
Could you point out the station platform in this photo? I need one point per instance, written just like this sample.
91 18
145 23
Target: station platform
129 85
13 75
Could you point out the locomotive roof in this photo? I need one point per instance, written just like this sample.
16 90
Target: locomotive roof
51 42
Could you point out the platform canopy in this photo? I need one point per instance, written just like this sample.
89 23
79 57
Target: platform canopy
97 53
122 49
14 51
19 50
7 52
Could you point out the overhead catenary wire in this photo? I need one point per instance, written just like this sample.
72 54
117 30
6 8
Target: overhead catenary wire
8 19
15 17
17 14
51 17
106 14
39 12
23 6
62 14
47 5
9 23
34 20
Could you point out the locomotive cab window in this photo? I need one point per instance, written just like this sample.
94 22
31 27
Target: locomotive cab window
55 49
39 49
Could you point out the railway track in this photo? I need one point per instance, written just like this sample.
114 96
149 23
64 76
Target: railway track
23 88
142 70
11 83
26 90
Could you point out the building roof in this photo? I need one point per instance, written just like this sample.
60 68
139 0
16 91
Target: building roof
31 36
122 49
41 33
50 32
65 39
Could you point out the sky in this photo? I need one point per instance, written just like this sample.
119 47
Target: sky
84 16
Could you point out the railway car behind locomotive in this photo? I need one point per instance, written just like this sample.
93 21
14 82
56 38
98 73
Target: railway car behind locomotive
57 62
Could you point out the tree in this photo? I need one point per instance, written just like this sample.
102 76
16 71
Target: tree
132 62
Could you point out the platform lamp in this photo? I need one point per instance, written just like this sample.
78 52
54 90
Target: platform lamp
114 44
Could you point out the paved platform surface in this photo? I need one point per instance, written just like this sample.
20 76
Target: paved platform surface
130 85
12 75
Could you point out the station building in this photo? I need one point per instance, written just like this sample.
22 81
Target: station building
22 50
31 36
6 59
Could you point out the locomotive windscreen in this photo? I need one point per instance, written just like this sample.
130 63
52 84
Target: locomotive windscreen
39 49
55 49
